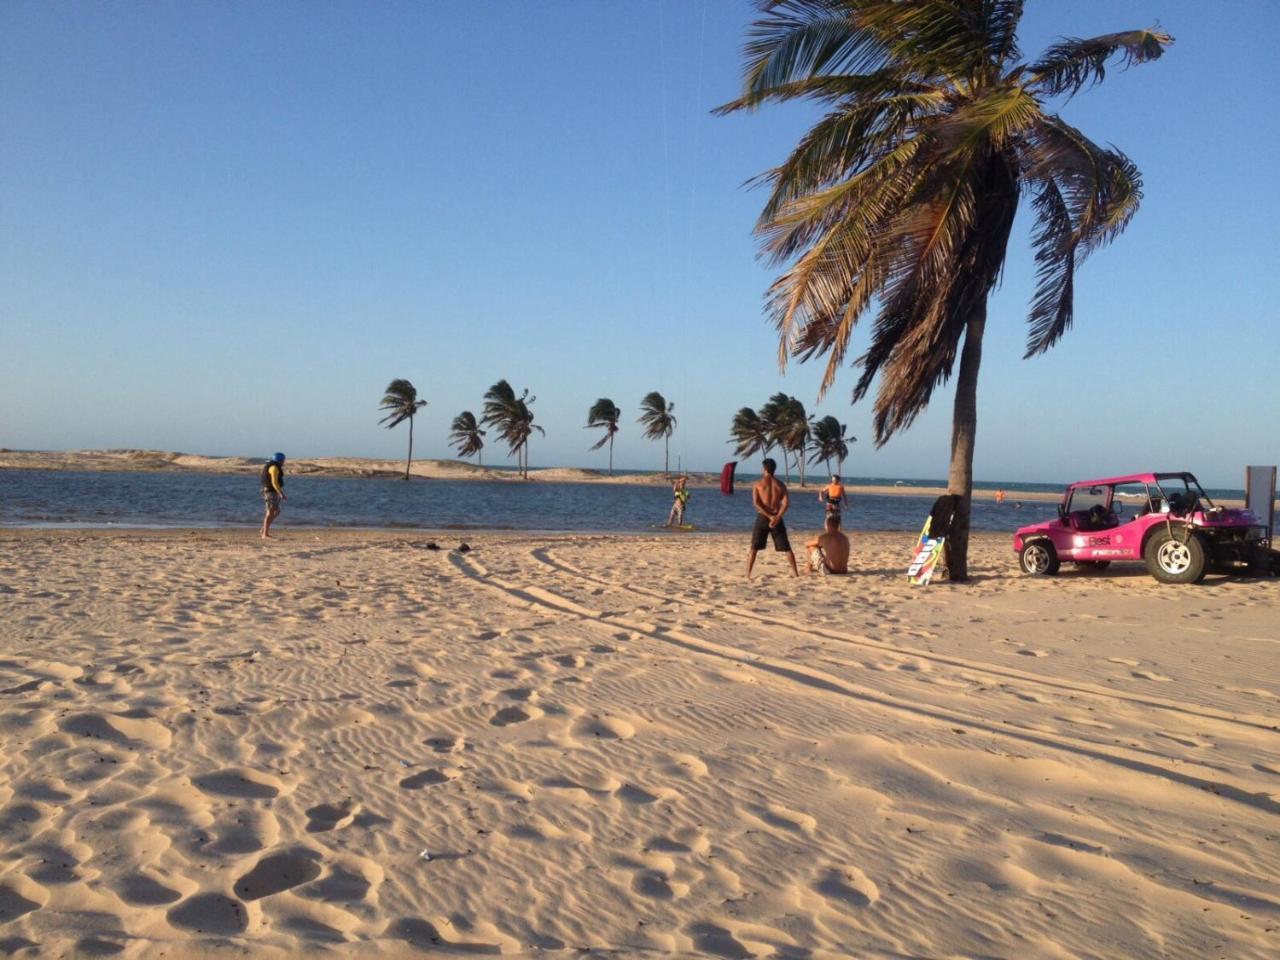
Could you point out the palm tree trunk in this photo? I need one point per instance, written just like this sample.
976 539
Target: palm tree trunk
800 463
964 426
666 456
409 459
611 454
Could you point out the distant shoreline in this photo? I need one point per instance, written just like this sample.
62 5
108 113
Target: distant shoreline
159 461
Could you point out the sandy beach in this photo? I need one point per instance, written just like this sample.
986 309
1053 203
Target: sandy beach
346 741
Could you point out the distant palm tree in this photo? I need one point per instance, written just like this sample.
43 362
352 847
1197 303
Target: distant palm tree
829 441
466 436
604 413
903 195
750 434
794 432
658 421
787 423
401 403
513 419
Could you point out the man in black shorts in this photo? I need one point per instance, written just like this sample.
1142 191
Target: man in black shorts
769 497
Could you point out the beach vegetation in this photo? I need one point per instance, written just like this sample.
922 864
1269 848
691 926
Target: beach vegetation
512 417
789 426
604 414
830 442
659 422
750 434
466 436
901 198
401 403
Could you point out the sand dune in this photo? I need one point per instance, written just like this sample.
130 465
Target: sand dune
603 745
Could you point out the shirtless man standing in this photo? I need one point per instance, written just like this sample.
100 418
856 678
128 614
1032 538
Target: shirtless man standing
769 497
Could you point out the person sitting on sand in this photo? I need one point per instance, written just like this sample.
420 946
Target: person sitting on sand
676 517
833 496
271 479
829 550
769 497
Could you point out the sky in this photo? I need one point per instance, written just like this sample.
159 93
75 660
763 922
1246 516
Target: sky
225 227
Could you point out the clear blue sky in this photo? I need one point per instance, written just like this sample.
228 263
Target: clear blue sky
224 227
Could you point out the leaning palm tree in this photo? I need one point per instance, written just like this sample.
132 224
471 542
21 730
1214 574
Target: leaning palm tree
794 432
466 436
751 435
513 419
830 440
902 196
785 419
658 421
604 413
401 403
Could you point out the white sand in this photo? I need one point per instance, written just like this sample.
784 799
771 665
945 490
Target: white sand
209 745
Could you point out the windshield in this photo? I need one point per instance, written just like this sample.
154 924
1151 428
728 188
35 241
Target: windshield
1182 489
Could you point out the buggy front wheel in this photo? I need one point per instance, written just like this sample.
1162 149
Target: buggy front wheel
1178 557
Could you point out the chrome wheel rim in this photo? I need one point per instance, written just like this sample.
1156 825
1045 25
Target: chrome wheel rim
1035 559
1174 557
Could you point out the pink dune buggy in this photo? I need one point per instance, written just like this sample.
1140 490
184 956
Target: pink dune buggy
1163 519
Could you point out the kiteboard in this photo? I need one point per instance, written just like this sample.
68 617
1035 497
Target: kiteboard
930 550
685 527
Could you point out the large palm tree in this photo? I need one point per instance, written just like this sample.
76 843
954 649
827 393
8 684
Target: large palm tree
604 413
903 195
658 422
466 436
830 441
513 419
401 403
751 435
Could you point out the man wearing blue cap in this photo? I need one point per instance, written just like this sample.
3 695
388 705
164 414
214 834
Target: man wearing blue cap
271 479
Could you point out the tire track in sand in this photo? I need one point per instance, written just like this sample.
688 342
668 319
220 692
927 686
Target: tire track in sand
820 680
543 556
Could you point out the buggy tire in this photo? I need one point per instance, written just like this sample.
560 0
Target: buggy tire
1038 558
1094 564
1173 559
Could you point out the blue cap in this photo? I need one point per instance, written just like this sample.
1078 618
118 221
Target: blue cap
277 458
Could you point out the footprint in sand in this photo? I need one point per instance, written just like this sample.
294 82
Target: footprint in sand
211 913
430 778
1150 675
604 727
445 743
121 730
241 783
512 715
456 933
324 817
849 886
777 815
139 890
278 872
20 895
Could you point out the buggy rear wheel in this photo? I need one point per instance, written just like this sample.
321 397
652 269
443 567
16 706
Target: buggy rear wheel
1038 558
1176 559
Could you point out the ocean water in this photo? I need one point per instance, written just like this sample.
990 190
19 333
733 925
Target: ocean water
76 499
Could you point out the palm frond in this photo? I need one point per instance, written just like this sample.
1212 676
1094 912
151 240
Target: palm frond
1072 64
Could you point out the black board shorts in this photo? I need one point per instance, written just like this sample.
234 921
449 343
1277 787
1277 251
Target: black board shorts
760 535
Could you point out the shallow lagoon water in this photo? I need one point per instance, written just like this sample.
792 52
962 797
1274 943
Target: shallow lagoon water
65 498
